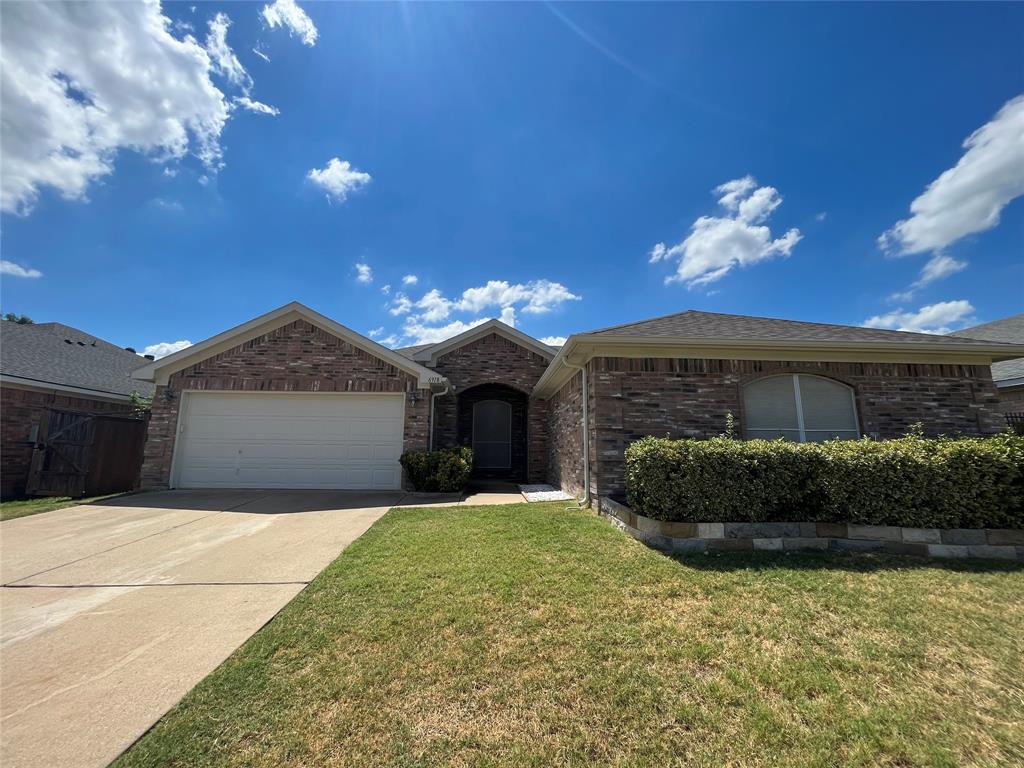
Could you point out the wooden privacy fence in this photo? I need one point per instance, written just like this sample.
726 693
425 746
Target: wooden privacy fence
83 454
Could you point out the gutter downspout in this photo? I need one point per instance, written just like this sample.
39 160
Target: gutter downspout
433 411
586 436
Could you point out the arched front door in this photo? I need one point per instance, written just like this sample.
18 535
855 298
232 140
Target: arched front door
492 435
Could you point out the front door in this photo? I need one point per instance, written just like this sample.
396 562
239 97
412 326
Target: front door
492 435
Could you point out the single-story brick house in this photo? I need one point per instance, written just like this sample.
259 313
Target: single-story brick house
294 399
50 366
1007 375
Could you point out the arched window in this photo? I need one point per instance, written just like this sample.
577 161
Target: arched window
799 408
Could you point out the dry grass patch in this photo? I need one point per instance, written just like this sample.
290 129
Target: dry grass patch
528 635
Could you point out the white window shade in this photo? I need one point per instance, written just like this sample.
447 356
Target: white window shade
828 409
799 408
770 409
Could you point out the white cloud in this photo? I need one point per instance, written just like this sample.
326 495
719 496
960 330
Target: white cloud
257 106
937 267
364 274
970 196
821 216
376 332
80 81
553 341
338 179
164 348
435 306
418 333
225 62
162 203
402 305
410 280
385 289
534 297
286 14
539 296
16 270
261 54
934 318
717 244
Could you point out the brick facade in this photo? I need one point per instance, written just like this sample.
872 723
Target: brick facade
565 453
494 359
22 409
1011 399
297 357
634 397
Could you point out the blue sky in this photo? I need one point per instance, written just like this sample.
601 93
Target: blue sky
551 164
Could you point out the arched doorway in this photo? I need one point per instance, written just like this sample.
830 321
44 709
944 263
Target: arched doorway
492 420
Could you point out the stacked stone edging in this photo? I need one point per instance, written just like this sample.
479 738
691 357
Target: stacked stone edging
1005 544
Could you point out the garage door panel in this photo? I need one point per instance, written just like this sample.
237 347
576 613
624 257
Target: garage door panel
236 440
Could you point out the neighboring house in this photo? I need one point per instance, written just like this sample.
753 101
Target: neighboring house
49 366
293 399
1008 375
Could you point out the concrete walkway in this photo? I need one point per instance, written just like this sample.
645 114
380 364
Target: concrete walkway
111 612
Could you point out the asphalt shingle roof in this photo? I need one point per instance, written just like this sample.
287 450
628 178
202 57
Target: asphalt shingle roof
52 353
1010 329
711 325
410 352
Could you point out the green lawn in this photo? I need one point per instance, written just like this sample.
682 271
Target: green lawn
9 510
528 635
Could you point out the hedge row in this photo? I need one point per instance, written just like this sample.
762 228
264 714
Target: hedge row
911 481
446 470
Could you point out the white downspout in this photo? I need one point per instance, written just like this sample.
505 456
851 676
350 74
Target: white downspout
433 411
586 436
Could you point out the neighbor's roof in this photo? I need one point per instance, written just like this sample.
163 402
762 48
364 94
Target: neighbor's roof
709 325
1011 329
52 354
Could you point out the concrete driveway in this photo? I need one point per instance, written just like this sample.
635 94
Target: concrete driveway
111 612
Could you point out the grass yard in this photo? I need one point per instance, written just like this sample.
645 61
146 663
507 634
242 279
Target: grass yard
527 635
10 510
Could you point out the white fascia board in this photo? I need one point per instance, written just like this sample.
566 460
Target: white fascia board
581 348
431 354
160 370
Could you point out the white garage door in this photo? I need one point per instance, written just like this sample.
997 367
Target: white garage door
284 440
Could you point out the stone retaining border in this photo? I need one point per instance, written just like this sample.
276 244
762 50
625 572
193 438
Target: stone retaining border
720 537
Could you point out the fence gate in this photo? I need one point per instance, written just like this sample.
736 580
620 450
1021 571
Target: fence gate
81 454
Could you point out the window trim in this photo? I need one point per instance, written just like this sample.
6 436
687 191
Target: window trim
798 399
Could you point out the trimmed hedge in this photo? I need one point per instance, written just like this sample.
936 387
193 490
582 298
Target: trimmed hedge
446 470
911 481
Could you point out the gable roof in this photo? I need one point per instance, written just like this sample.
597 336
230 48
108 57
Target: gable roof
160 370
711 334
53 355
1007 373
429 353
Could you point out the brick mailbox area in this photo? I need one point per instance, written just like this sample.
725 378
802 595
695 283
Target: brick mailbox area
723 537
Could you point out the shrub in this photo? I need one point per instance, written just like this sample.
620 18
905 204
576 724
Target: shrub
912 481
446 470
